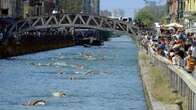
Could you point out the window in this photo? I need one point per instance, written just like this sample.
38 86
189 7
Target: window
4 12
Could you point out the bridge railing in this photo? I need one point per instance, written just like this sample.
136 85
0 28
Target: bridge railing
181 81
72 20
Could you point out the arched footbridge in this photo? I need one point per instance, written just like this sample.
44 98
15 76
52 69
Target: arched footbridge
74 21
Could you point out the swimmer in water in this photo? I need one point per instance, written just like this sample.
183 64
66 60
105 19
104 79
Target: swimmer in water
59 94
79 66
35 102
61 72
72 78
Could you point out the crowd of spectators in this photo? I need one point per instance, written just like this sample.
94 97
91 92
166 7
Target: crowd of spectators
173 43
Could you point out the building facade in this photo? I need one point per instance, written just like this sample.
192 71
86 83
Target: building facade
49 6
183 11
80 6
91 7
39 7
105 13
11 8
25 8
86 8
190 13
173 10
177 10
190 6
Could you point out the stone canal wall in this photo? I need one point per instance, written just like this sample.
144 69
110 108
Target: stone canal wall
32 43
42 40
180 82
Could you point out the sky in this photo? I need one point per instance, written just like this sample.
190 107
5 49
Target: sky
129 6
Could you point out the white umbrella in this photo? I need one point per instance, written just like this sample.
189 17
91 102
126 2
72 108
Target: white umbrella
174 25
157 25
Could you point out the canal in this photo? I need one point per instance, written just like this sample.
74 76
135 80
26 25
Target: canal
96 78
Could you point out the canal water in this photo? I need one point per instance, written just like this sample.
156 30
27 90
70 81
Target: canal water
96 78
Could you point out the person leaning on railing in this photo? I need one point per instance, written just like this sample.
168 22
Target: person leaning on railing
190 62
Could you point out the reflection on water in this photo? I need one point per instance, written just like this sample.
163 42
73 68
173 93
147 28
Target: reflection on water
76 78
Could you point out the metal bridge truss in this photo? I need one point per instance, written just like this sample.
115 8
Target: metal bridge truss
72 20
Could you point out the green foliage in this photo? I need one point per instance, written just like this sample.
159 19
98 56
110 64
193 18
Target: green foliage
151 13
145 16
71 6
163 20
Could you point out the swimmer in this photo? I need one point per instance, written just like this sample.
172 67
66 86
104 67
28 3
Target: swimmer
61 72
79 66
58 94
35 102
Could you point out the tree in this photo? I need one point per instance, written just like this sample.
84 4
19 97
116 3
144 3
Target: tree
145 16
151 13
71 6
